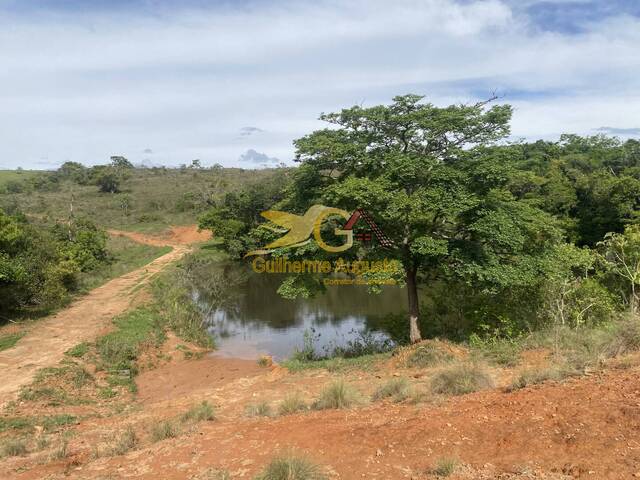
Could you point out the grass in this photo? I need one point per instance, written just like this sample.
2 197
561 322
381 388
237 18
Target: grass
337 394
163 430
9 340
13 447
445 466
536 376
265 361
259 409
28 423
292 403
61 450
78 351
460 380
120 349
199 413
499 351
398 389
127 256
428 355
125 442
290 467
337 364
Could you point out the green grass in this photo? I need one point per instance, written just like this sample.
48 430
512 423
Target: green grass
539 375
79 351
9 340
120 348
337 394
460 379
338 364
128 256
28 423
291 467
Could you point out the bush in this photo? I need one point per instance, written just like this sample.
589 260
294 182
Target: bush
292 403
460 380
397 388
199 413
260 409
290 467
445 466
536 376
337 395
163 430
127 440
13 447
427 355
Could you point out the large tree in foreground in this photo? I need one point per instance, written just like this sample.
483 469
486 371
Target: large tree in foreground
429 179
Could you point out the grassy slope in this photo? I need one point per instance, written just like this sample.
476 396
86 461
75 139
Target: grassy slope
156 199
129 256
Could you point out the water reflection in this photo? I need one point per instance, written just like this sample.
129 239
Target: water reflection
250 318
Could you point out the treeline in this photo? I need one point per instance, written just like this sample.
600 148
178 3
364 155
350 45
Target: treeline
494 239
40 266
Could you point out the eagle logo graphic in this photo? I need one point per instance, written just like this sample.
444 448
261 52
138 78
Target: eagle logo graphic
298 229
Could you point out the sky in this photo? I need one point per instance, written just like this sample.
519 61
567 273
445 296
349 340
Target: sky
235 82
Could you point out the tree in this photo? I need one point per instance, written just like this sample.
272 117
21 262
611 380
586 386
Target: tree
425 176
120 162
108 181
621 256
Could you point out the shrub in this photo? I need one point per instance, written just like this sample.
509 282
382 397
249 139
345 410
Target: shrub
397 388
445 466
199 413
290 467
163 430
428 355
337 395
461 379
61 450
292 403
127 440
260 409
14 447
536 376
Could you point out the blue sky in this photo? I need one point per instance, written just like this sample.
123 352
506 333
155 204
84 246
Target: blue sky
234 82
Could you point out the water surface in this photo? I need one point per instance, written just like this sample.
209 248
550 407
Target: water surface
253 319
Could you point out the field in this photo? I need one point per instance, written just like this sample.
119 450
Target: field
150 199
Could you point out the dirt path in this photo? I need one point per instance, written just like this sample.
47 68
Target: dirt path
88 316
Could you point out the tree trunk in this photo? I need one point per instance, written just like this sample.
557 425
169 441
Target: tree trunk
414 306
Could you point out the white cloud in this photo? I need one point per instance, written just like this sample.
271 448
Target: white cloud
83 87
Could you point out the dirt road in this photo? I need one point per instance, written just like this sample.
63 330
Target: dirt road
45 344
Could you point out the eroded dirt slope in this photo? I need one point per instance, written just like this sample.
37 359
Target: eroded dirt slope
87 317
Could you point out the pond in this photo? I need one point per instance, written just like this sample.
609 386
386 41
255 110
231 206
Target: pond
253 319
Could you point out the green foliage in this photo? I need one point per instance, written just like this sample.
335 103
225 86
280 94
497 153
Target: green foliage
460 380
291 467
538 375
